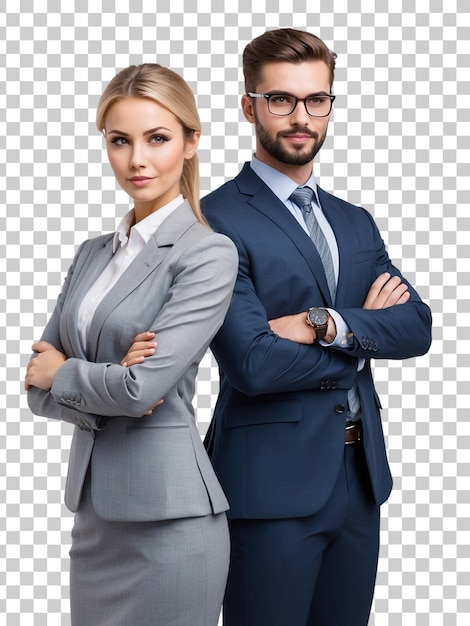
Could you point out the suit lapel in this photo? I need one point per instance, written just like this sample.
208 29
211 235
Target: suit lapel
340 220
83 278
150 257
265 201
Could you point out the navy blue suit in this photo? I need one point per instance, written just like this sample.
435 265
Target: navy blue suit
277 437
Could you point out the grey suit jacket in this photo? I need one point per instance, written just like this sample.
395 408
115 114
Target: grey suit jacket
152 467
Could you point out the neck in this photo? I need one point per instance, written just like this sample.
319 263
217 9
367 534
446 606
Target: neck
144 209
298 173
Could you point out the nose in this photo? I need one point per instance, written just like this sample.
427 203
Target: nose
138 159
299 115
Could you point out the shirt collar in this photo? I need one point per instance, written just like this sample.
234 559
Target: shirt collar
146 227
280 184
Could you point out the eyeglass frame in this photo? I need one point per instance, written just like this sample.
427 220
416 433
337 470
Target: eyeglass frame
267 96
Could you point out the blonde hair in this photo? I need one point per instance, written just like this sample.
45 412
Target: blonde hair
170 90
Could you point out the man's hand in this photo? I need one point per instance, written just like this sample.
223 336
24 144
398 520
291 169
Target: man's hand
295 328
385 292
42 369
143 347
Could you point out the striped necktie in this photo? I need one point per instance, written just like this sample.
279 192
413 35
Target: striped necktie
303 196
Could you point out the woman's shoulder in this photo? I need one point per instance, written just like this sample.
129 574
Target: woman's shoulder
214 237
91 247
100 241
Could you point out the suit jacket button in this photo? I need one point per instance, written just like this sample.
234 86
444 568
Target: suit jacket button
340 408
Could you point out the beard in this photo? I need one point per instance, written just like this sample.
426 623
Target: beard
294 156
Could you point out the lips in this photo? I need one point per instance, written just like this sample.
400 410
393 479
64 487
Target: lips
300 135
140 181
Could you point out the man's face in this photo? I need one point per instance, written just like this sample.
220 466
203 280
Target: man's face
289 143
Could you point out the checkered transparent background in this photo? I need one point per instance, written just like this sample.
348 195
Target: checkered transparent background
398 144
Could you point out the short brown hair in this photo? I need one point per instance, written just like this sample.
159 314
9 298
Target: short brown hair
284 44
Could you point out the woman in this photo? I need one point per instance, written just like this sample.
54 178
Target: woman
150 542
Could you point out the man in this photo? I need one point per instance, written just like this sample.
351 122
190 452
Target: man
296 439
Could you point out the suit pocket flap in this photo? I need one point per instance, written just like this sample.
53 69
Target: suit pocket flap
262 413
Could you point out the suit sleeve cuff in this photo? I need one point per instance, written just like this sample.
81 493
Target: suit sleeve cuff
344 336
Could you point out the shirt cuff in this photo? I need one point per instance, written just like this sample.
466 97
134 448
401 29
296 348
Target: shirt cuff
344 336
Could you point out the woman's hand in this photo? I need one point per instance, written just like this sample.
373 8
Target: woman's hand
142 348
42 368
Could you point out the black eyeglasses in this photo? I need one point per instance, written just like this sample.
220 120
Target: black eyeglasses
284 104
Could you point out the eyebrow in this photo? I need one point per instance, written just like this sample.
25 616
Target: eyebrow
272 92
147 132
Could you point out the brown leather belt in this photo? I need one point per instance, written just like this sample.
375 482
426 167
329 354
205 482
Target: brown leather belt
353 432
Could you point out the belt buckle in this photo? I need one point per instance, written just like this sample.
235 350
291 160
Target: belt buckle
355 427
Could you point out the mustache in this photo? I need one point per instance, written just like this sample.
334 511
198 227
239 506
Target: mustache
298 131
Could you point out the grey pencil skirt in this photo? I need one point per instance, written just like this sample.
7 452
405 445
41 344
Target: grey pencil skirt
147 573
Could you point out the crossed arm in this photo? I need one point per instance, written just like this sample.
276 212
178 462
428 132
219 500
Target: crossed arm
384 292
41 371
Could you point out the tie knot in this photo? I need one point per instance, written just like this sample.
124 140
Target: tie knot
302 196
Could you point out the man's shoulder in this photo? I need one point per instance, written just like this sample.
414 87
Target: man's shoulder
227 190
232 193
331 201
327 196
224 203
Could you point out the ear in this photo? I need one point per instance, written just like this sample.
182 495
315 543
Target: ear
191 144
248 108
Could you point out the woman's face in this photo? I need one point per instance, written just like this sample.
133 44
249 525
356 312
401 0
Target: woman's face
147 149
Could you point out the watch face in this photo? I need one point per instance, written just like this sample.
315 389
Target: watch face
318 317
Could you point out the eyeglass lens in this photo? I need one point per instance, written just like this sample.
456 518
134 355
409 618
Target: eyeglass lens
284 105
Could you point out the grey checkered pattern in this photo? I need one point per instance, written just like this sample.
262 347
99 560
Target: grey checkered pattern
398 144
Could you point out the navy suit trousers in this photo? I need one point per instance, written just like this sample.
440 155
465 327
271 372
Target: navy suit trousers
311 571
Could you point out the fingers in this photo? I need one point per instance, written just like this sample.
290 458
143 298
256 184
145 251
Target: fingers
404 298
392 292
138 353
294 328
135 358
379 283
149 412
146 336
386 291
142 348
397 294
42 346
375 290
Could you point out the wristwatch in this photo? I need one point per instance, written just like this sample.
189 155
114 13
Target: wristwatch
318 319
